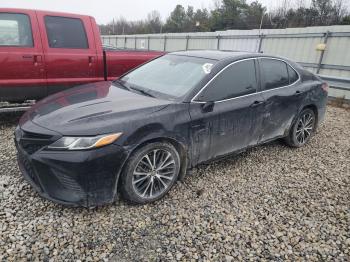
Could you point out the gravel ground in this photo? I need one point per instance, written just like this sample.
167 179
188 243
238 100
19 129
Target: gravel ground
269 203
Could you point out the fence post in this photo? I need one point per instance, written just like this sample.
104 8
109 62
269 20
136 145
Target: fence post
218 37
164 49
148 42
187 40
124 42
135 43
326 35
261 37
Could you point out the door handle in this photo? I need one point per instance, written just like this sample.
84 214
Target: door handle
91 60
298 92
29 57
37 59
256 103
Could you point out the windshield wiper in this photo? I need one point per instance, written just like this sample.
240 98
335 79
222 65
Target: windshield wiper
144 92
119 82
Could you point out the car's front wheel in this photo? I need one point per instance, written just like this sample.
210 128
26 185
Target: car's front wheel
302 129
150 173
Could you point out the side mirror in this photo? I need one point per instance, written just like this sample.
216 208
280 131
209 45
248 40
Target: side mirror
208 107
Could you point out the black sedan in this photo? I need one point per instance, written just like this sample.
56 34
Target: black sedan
143 132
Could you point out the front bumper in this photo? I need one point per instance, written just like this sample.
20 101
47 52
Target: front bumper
76 178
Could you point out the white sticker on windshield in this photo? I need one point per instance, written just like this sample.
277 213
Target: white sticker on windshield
207 68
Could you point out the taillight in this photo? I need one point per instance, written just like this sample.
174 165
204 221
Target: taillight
325 87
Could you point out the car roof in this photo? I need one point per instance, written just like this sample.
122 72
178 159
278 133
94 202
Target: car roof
215 54
23 10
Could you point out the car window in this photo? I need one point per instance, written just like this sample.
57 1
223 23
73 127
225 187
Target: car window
15 30
274 73
171 76
293 76
65 32
237 80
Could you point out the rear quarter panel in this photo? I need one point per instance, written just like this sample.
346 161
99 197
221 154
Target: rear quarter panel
314 95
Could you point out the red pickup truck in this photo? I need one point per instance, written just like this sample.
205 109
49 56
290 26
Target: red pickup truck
45 52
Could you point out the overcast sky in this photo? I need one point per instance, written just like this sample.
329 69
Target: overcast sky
105 10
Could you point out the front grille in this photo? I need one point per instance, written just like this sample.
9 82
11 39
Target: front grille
32 142
68 182
31 148
28 168
30 135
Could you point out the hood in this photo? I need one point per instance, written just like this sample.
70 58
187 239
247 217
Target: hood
92 109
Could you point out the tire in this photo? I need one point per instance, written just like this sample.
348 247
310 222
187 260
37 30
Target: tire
302 129
143 182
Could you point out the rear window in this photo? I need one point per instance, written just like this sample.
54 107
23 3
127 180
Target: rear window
15 30
274 73
293 76
65 32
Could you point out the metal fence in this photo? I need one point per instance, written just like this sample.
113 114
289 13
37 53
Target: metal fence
298 44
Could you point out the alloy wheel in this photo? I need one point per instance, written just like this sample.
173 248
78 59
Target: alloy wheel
304 128
154 173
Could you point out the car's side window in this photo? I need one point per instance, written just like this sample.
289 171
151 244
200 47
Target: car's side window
274 73
237 80
293 76
66 32
15 30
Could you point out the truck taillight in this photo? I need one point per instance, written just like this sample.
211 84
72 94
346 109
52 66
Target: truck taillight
325 87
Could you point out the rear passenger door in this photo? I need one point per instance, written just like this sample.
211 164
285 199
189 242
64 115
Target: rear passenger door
21 57
69 49
283 94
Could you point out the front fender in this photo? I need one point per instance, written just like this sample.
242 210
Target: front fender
154 132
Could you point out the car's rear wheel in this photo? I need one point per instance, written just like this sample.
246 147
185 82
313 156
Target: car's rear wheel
150 173
302 129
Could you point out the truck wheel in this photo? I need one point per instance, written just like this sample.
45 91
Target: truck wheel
150 173
303 129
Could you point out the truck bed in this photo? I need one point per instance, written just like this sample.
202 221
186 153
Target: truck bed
120 61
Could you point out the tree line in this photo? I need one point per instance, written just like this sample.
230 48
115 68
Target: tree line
236 14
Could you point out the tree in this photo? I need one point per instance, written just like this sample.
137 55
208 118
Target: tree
236 14
255 15
325 11
189 20
228 15
154 22
339 10
345 20
320 12
177 20
202 18
216 21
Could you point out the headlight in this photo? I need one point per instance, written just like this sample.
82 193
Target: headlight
83 143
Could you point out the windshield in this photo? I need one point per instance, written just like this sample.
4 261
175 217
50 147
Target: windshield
171 76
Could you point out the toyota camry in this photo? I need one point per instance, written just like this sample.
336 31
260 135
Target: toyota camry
141 133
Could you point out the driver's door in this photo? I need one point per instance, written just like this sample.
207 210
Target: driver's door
227 115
